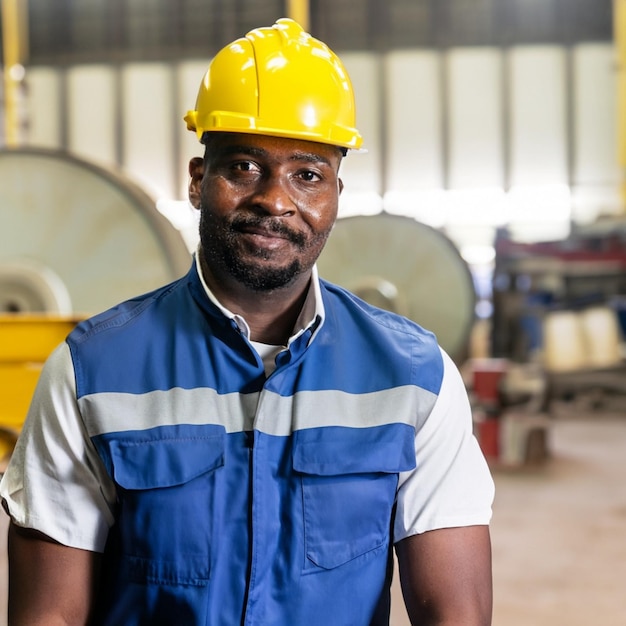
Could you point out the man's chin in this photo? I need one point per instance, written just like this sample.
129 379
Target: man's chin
265 276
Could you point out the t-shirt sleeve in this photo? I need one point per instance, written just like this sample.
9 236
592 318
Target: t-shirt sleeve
451 485
55 481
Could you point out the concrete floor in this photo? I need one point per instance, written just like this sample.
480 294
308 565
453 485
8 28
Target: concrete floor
558 531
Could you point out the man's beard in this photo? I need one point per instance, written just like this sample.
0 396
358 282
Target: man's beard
219 238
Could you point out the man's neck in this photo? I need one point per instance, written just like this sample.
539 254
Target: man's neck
270 315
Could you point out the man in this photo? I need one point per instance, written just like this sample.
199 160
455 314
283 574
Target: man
247 444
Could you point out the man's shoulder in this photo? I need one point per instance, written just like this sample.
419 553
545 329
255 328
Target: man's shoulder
125 315
360 338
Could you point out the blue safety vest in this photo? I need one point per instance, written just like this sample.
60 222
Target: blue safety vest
243 499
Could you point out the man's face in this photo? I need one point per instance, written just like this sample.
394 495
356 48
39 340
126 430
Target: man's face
267 207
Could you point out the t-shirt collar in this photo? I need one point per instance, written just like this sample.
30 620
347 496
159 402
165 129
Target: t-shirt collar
311 315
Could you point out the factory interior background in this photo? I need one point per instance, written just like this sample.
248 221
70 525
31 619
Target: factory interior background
489 206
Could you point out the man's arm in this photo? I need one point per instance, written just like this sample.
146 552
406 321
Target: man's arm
49 583
446 576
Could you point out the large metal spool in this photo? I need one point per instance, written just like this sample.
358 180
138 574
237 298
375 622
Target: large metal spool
405 266
76 237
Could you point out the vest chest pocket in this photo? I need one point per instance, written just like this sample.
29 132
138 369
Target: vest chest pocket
349 478
166 493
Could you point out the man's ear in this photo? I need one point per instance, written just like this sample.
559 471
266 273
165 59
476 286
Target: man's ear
196 173
340 185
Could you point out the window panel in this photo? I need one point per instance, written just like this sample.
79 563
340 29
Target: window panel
414 121
475 117
538 115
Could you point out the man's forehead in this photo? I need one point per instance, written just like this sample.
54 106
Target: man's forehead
285 147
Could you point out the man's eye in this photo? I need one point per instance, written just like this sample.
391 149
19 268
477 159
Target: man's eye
309 176
245 166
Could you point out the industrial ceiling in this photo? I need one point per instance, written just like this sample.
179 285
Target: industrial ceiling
85 31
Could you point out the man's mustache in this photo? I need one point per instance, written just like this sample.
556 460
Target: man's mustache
270 224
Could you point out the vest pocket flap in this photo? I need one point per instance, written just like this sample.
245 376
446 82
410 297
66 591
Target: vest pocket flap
337 450
165 462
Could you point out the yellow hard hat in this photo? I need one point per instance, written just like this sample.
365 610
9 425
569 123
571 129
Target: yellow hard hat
278 81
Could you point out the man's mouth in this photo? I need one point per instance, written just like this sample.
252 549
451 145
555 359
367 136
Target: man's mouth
267 230
263 232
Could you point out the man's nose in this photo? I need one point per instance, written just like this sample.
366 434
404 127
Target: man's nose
273 196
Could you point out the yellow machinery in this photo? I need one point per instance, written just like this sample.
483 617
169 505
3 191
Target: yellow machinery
26 340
